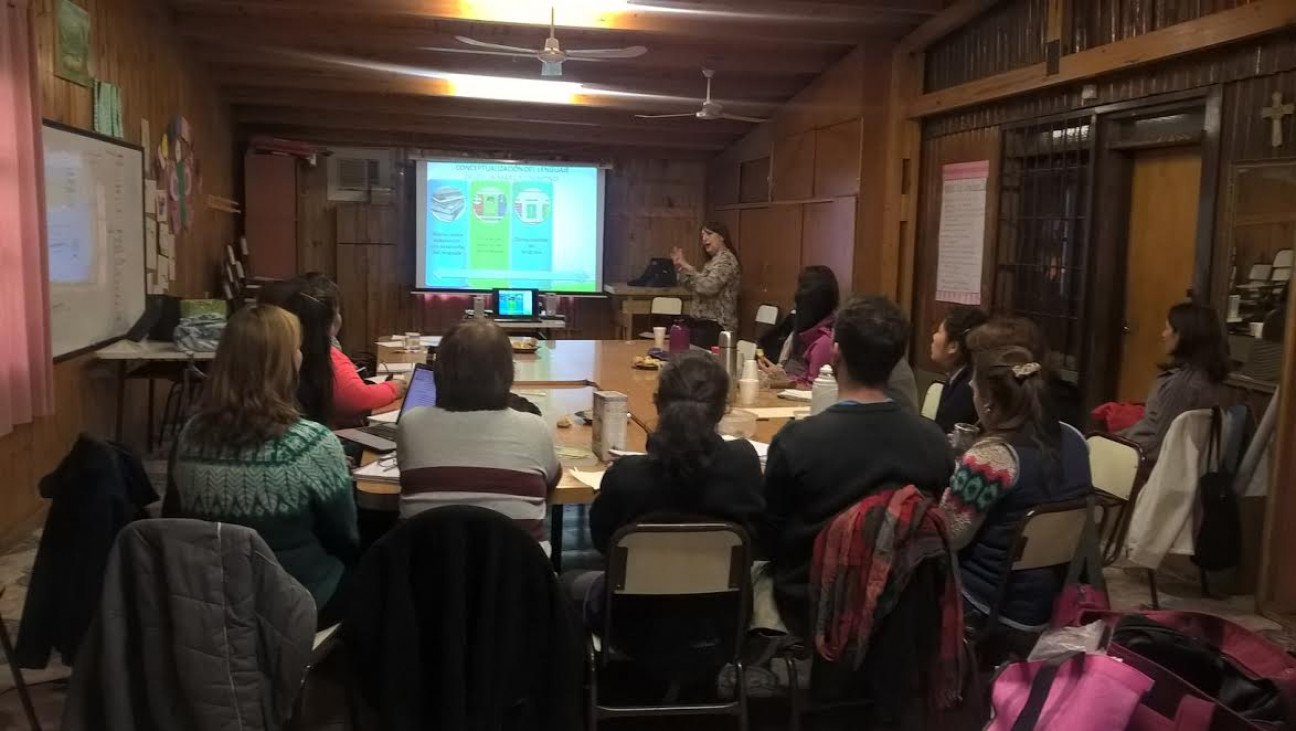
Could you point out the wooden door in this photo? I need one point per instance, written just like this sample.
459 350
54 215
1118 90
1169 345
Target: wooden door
1159 261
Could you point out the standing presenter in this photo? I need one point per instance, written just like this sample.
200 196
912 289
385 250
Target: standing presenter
715 286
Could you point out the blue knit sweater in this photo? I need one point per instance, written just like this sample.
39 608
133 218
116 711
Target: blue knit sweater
295 490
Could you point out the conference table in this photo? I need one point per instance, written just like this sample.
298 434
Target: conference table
560 377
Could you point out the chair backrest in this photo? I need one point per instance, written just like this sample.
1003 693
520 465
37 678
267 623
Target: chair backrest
667 306
931 401
767 315
1260 272
1284 258
1050 535
746 352
1114 464
677 596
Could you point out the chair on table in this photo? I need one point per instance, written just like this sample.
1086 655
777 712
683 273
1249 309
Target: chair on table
746 351
19 684
767 316
676 607
931 401
1049 535
662 307
1116 468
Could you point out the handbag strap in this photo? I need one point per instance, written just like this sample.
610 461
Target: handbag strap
1214 452
1039 691
1087 558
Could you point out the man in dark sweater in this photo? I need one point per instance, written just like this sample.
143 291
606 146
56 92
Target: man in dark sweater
866 442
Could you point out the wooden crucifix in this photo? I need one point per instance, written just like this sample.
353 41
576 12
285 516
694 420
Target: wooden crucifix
1275 114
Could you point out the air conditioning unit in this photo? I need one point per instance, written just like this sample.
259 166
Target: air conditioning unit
360 175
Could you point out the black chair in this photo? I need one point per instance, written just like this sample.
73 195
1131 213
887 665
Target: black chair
676 607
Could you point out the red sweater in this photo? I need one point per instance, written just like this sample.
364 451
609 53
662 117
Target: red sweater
352 397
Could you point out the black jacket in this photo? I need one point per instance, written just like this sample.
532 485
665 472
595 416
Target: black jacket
96 490
956 405
457 622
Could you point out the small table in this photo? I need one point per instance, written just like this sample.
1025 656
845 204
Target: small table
631 301
123 352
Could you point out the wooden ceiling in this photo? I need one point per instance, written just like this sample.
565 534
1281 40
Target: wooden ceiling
371 72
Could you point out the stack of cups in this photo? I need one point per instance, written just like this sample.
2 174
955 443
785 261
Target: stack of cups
749 384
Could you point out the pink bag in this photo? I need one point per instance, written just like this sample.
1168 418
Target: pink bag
1075 600
1071 692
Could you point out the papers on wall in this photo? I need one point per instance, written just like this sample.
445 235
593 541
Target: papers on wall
150 244
590 478
107 110
150 197
962 232
166 243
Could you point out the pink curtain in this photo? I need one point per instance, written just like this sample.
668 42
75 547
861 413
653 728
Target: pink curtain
26 371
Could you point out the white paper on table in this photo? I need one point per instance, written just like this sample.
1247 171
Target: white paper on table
386 417
375 379
385 470
591 478
793 394
623 453
395 367
776 412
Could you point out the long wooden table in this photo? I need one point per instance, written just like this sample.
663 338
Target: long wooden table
561 378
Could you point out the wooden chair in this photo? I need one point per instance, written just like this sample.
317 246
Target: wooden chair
931 401
668 577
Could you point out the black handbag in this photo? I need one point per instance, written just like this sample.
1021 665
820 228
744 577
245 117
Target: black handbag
1218 539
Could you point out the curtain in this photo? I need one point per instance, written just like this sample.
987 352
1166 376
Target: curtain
26 370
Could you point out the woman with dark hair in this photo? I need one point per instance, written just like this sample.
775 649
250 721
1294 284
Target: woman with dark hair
715 286
1024 458
809 345
689 472
248 457
471 448
1198 362
331 391
949 351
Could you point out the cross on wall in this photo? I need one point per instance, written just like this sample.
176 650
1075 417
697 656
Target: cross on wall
1275 114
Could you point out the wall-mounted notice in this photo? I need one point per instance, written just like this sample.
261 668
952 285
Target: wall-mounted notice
962 232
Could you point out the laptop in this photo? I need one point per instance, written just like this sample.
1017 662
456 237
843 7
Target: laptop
382 437
515 304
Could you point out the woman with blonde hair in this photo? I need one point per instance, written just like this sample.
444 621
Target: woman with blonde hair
248 457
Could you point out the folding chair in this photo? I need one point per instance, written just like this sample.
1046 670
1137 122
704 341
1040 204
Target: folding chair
746 351
1049 535
767 315
666 306
677 602
1116 466
19 684
931 401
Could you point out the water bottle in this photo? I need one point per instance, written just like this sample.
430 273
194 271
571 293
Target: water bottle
729 360
679 338
823 393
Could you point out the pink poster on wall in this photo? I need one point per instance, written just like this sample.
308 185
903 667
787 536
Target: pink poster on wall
962 232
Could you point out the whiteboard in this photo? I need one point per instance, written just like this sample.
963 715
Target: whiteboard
94 211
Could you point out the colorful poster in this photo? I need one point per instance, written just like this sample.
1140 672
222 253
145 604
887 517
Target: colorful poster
533 237
72 44
488 250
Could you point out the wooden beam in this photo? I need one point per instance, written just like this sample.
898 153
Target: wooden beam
947 21
362 37
895 261
447 107
1228 26
276 117
816 22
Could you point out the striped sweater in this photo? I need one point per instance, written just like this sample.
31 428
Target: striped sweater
501 460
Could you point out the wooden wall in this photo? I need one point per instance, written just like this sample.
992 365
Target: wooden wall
806 187
651 206
135 47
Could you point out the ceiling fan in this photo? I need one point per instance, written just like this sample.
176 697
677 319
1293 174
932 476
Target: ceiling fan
552 55
710 109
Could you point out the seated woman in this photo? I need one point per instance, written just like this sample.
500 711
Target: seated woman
248 457
1026 458
809 345
1198 363
949 351
471 448
689 471
331 391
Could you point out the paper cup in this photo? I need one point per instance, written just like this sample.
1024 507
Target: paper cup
659 338
749 372
748 390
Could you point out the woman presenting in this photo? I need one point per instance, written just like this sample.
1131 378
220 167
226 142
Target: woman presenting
715 287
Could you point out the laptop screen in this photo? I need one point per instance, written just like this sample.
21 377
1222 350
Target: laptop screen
515 303
421 391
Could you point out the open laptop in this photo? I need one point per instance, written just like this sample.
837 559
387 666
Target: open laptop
382 437
515 304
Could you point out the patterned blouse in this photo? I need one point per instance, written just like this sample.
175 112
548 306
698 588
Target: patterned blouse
716 289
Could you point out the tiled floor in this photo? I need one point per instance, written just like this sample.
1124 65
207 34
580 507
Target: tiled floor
1128 591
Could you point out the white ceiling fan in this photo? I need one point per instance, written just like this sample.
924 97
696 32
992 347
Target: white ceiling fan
710 109
552 55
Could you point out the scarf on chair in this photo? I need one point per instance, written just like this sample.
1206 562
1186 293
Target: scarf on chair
863 561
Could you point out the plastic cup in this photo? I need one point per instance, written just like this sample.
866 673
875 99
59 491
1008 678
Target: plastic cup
748 390
659 338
